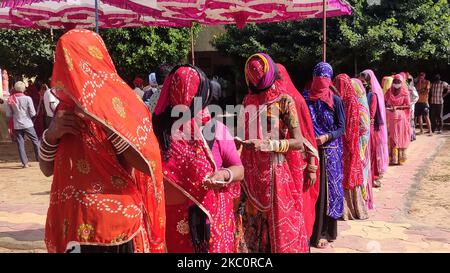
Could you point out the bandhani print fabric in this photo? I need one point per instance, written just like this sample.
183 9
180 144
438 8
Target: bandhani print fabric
353 176
274 181
364 139
94 199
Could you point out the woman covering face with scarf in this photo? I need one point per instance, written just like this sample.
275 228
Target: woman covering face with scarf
398 116
378 130
364 150
328 117
200 170
274 163
353 172
107 193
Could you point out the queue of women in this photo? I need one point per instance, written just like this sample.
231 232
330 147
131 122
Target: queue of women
126 181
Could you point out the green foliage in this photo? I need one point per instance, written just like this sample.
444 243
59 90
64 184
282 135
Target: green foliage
27 52
138 51
135 51
391 36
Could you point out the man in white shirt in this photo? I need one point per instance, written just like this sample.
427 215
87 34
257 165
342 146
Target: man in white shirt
151 96
50 103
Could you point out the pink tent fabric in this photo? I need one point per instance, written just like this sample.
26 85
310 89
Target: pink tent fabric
174 13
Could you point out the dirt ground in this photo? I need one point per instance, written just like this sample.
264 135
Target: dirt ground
412 212
430 203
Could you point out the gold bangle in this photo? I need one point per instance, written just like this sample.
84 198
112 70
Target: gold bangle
312 168
282 144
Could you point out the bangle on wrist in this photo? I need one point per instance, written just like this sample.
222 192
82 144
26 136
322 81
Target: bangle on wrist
44 139
120 145
230 175
47 155
312 168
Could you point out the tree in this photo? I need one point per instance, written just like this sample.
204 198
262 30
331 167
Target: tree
396 34
388 36
29 52
137 51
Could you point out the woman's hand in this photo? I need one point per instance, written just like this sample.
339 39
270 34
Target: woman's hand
254 144
312 179
322 140
211 183
238 143
63 123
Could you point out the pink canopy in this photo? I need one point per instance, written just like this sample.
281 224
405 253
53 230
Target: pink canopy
133 13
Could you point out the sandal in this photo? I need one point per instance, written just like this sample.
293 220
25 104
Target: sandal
322 244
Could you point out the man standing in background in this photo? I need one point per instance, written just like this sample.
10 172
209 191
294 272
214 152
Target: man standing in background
439 89
138 86
414 97
422 108
50 103
156 79
21 109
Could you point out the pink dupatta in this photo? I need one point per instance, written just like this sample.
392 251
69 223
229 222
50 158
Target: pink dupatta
381 135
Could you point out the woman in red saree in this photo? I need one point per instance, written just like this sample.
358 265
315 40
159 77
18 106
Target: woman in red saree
274 163
354 207
398 116
201 170
107 193
310 188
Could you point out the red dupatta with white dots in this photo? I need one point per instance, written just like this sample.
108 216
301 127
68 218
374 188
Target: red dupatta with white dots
94 199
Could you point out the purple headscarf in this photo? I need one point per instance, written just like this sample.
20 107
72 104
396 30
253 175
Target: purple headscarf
323 69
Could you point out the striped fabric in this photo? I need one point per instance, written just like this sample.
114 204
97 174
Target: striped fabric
437 91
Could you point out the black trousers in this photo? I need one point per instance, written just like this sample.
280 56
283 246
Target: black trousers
436 113
325 227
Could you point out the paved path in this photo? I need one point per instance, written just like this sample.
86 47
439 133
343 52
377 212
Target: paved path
392 227
24 196
399 223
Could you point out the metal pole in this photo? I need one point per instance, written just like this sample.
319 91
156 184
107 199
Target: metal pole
96 16
52 39
192 47
324 37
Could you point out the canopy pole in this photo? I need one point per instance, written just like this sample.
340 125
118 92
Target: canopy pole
96 16
192 47
324 32
52 39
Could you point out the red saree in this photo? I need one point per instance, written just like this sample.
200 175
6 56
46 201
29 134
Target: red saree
310 194
188 161
274 181
353 176
94 200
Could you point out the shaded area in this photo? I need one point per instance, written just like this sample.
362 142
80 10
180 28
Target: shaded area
28 235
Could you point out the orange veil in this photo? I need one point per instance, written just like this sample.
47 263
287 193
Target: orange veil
94 200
